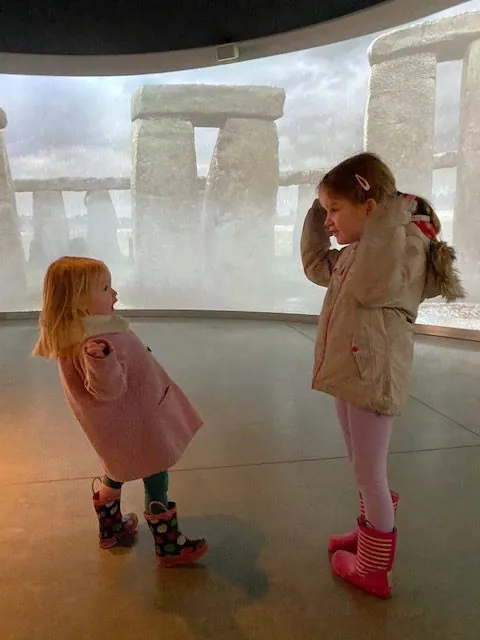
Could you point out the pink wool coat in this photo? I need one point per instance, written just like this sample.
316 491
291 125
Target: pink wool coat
136 418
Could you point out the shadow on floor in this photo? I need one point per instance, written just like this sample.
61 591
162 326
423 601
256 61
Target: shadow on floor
207 596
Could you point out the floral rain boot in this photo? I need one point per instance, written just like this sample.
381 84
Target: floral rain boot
173 549
370 568
114 529
348 541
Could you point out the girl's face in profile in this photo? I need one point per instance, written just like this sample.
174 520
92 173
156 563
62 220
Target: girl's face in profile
103 297
345 220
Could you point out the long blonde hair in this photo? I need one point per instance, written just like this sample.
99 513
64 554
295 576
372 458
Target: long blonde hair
66 291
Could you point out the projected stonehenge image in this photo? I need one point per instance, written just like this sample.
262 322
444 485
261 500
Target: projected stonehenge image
217 238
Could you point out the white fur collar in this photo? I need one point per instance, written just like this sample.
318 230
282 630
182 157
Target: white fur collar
100 325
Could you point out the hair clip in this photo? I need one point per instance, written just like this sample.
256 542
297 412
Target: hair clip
362 182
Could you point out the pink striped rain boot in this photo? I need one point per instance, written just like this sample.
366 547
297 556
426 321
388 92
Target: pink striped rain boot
370 568
348 541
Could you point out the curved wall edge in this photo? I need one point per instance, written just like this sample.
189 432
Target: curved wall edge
387 15
436 331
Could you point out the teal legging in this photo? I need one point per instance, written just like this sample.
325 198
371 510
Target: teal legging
156 490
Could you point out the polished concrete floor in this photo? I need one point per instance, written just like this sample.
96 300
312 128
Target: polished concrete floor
266 481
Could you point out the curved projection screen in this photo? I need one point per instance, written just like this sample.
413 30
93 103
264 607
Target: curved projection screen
193 186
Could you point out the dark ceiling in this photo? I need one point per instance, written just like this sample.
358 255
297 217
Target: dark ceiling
96 27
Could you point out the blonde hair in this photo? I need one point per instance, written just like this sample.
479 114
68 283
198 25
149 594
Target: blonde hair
343 180
66 291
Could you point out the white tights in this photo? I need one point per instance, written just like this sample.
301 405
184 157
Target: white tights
367 436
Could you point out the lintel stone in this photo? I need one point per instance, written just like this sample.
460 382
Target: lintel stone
207 105
447 38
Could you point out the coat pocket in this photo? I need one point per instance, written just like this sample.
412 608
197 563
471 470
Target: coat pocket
164 397
176 412
367 354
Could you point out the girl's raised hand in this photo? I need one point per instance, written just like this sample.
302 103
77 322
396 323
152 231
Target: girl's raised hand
97 348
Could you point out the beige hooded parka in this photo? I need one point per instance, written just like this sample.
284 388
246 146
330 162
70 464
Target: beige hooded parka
364 347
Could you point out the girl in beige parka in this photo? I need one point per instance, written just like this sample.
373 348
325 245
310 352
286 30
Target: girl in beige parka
392 261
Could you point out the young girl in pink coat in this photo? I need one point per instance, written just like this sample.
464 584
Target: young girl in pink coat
391 261
136 418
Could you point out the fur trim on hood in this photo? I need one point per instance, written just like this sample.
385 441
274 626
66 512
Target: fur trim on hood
442 277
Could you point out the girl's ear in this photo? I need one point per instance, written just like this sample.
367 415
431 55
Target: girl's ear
370 206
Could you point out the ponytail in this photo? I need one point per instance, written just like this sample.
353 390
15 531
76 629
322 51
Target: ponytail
423 215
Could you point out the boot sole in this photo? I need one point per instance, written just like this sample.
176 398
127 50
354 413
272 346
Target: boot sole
183 561
127 540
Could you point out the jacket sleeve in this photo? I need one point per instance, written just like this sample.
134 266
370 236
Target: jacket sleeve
387 259
105 378
318 257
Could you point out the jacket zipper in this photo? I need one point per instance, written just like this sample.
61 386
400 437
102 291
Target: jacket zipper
327 321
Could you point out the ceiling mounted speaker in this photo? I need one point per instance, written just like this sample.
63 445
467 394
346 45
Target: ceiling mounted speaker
227 52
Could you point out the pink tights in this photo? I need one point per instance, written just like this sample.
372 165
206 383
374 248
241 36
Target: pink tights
367 436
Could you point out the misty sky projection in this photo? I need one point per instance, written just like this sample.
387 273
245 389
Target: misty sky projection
81 126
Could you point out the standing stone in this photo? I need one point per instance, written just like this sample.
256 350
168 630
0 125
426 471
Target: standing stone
165 202
466 221
240 211
102 238
50 228
400 119
13 279
78 247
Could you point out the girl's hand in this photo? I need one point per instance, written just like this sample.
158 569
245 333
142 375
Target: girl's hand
97 349
320 215
318 209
